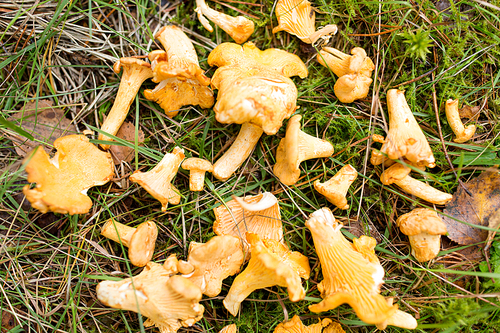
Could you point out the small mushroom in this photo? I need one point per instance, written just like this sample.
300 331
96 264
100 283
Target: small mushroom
157 181
63 180
354 72
463 133
295 325
405 137
169 302
197 167
229 329
135 72
272 263
400 175
139 240
295 148
298 18
259 214
214 261
424 228
239 28
335 190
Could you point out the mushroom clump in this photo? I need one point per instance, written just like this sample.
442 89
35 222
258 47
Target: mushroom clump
352 272
405 137
176 70
239 28
295 148
295 325
259 214
354 72
168 301
424 228
298 18
335 190
63 180
271 264
157 181
463 133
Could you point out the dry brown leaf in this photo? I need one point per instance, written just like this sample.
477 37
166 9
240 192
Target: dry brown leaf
122 153
469 112
477 209
45 123
8 322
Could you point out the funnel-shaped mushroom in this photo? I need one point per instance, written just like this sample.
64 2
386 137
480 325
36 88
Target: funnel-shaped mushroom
298 18
295 148
405 137
259 214
352 273
295 325
63 180
335 190
169 302
239 28
400 175
463 133
424 228
354 72
157 181
271 264
139 240
197 167
135 72
214 261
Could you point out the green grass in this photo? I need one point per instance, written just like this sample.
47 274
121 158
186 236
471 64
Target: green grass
63 51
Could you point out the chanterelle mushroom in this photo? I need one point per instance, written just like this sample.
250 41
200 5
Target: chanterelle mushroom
139 240
220 257
463 133
354 72
297 17
157 181
229 329
295 148
259 214
197 167
295 325
424 228
335 190
63 180
135 72
399 174
405 137
352 272
239 28
176 70
272 263
169 302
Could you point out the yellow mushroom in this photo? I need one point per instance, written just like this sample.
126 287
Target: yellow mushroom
239 28
295 148
229 329
140 240
169 302
271 264
400 175
424 228
157 181
335 190
220 257
197 167
405 137
297 17
62 181
463 133
135 72
295 325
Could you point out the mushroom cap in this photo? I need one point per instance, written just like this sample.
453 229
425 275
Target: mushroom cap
229 329
168 301
295 325
142 243
343 64
220 257
421 220
394 173
197 164
63 180
139 69
352 87
335 189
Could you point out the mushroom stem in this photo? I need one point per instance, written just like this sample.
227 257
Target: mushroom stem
239 151
463 133
135 72
423 191
335 190
117 231
196 180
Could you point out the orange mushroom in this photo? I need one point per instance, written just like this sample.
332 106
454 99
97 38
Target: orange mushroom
335 190
295 325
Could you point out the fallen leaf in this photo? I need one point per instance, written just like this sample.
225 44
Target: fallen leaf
8 321
122 153
469 112
477 209
45 123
